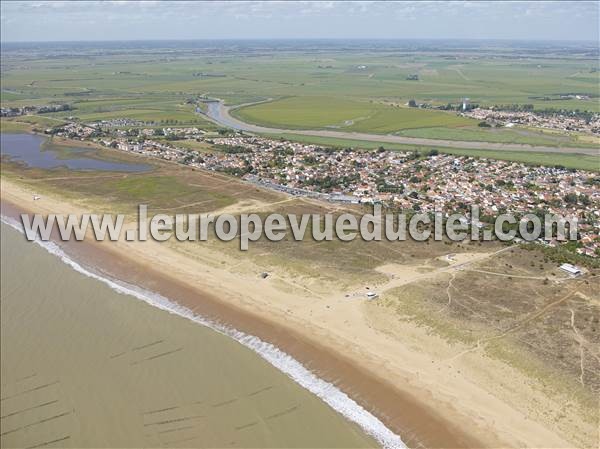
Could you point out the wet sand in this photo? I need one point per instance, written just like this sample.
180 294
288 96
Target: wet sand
86 366
406 414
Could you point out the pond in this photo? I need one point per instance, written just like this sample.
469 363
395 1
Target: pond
30 149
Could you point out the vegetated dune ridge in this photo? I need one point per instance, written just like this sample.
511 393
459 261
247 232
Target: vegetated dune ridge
394 382
270 340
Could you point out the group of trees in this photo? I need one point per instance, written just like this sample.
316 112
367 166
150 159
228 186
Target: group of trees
458 107
233 149
178 122
329 182
384 187
514 107
54 108
572 199
585 115
238 171
310 160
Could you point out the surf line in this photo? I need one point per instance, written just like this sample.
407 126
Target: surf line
327 392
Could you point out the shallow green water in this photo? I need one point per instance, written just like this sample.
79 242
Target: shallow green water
85 366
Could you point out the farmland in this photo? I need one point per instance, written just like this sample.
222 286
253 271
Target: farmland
568 160
306 85
327 112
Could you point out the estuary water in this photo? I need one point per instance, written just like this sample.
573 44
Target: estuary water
32 150
86 365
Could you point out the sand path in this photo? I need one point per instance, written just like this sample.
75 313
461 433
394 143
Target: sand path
464 393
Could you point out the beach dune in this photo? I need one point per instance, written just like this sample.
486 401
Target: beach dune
417 397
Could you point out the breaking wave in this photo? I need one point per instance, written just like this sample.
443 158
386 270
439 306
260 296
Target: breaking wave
326 391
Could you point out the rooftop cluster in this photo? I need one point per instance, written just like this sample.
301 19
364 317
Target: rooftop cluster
401 180
587 123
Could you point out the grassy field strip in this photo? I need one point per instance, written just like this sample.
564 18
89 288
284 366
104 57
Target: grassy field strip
569 160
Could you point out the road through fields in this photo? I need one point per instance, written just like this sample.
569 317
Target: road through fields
219 113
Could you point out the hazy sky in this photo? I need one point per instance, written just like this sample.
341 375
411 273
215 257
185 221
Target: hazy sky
110 20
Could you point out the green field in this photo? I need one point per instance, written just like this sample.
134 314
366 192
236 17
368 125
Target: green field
9 126
577 161
27 122
317 86
499 135
152 110
361 116
351 115
568 160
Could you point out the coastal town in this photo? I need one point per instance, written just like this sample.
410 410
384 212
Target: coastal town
556 120
509 116
402 180
300 224
27 110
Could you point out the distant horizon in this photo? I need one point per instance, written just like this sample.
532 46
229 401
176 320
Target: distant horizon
249 39
93 21
315 39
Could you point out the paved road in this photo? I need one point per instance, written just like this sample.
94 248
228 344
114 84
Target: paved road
219 113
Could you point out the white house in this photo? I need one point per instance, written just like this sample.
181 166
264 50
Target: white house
571 269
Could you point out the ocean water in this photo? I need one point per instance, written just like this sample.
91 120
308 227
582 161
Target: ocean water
90 362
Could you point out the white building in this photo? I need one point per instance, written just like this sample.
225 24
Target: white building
571 269
465 104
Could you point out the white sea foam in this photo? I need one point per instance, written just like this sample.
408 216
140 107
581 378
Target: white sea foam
329 393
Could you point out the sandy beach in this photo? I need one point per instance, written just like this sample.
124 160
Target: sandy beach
88 363
419 394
